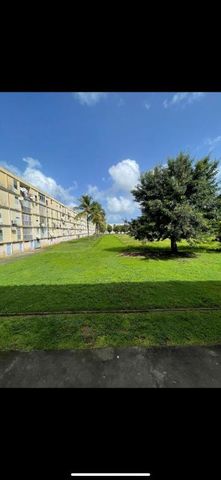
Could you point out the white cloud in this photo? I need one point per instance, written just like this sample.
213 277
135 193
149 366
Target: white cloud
115 218
11 167
212 142
32 162
89 98
117 199
125 175
33 175
147 106
94 191
183 98
120 205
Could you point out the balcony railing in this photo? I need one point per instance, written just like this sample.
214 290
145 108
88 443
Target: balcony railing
27 237
26 206
26 210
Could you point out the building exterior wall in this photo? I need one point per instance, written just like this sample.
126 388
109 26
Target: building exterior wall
31 219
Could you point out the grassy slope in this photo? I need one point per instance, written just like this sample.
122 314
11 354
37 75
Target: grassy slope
95 274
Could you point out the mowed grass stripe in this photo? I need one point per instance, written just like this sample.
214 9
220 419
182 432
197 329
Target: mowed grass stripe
60 332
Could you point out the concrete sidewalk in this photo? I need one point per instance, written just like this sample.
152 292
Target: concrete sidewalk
113 367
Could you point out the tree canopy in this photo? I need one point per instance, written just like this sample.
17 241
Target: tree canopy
116 228
178 200
109 228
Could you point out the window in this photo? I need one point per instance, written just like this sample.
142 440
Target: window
18 233
1 235
16 201
27 234
26 219
41 198
36 198
42 210
26 206
15 184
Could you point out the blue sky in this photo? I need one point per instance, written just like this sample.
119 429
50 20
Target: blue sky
98 143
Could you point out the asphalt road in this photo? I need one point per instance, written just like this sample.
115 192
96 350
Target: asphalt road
113 367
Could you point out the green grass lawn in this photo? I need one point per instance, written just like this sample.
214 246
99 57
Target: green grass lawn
106 274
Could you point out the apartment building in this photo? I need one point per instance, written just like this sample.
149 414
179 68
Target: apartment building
31 219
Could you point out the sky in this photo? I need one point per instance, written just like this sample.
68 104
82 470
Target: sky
72 143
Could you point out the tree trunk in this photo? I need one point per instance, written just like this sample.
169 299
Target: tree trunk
174 248
87 227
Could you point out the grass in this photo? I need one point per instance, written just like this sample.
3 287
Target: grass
89 331
105 274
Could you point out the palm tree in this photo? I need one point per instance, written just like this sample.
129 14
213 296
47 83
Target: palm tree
86 209
97 216
93 211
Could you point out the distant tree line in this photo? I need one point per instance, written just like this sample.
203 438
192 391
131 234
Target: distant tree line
124 228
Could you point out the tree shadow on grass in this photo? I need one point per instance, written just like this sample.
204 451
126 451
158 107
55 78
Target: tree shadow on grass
156 252
109 296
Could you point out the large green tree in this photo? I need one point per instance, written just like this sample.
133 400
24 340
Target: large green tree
178 201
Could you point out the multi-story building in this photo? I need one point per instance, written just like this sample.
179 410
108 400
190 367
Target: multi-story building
30 218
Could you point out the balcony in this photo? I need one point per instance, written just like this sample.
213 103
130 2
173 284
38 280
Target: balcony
42 199
26 221
25 206
27 237
42 211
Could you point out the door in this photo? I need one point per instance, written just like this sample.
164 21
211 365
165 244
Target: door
36 243
8 248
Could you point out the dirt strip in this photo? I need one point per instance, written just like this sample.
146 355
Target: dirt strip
109 312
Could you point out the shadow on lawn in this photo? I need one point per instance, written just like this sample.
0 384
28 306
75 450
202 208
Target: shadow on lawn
156 252
109 296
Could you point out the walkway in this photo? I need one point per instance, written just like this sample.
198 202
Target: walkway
113 367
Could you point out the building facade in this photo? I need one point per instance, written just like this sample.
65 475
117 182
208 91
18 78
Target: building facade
31 219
